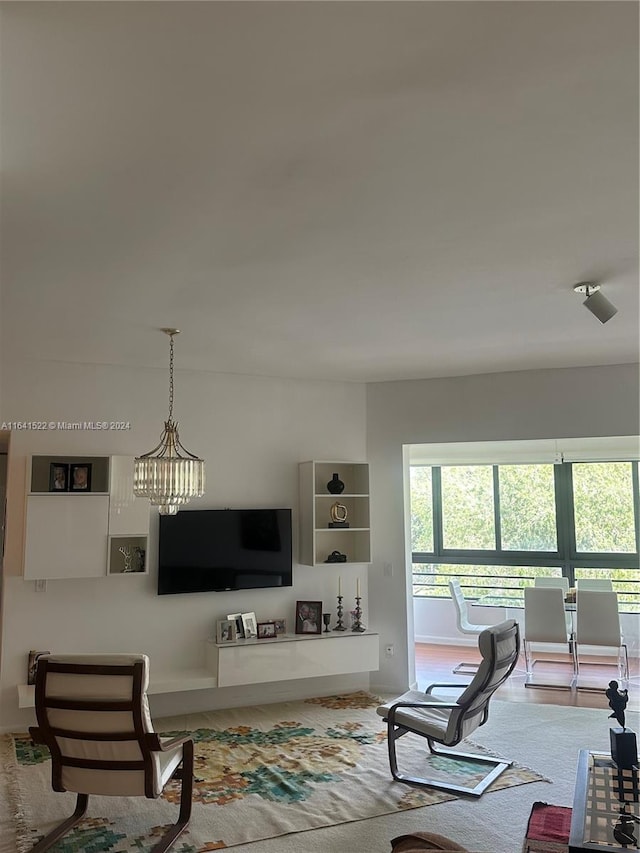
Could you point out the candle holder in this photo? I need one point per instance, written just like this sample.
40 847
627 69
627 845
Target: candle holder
326 618
339 626
357 626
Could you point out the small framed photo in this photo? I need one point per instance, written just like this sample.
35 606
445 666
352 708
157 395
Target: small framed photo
32 665
266 630
58 477
281 626
80 477
226 631
308 617
249 625
237 618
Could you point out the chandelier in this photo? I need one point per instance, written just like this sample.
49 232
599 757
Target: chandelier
169 475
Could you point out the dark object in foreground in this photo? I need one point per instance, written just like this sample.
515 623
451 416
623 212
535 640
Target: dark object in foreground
618 700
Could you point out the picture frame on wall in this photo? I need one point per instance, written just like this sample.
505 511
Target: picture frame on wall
308 617
226 631
58 477
266 630
80 477
237 618
249 625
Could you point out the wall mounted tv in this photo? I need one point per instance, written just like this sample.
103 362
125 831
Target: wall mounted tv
212 550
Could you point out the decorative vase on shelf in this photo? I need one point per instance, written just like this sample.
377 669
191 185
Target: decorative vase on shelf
335 486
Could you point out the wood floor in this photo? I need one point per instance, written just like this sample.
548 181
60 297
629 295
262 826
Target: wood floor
435 663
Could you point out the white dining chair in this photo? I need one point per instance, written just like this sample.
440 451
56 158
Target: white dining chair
463 623
545 622
603 584
598 624
562 582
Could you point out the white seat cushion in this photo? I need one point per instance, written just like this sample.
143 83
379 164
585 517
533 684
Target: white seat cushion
432 722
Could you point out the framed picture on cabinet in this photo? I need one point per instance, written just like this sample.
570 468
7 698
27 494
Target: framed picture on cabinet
32 665
58 477
266 630
249 625
80 477
308 617
226 631
281 626
237 618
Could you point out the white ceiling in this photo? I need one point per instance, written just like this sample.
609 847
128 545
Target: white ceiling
361 191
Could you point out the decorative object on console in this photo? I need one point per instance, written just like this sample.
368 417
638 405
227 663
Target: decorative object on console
281 626
335 486
326 618
249 625
237 618
125 550
338 513
226 631
266 630
339 626
80 477
58 477
357 626
169 475
32 665
308 617
336 557
624 748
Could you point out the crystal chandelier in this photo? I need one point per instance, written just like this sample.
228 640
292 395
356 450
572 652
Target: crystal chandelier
169 475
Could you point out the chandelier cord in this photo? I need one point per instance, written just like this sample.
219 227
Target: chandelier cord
171 378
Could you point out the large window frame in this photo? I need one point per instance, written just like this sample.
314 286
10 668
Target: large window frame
566 558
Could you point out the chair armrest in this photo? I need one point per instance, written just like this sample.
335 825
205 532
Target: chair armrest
451 685
436 704
156 745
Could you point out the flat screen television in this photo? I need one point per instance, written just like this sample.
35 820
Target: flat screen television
212 550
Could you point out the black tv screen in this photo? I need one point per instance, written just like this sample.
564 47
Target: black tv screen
211 550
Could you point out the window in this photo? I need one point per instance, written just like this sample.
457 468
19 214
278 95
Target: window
498 527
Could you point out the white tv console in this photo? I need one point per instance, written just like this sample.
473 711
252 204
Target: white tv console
253 661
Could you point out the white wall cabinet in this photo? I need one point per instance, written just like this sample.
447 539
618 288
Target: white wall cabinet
81 534
290 657
317 539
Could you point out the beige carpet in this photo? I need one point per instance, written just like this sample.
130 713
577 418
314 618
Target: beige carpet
260 773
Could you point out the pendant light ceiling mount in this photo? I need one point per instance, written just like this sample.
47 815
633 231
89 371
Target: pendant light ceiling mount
169 475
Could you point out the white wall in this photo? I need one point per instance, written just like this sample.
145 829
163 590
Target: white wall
590 401
252 433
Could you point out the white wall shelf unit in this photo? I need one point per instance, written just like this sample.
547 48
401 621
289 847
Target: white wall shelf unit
77 534
317 539
255 661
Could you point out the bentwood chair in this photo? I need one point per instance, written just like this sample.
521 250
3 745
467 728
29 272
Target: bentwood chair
598 624
463 623
94 717
446 721
545 622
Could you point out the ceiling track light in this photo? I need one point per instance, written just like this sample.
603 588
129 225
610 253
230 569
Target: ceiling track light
169 475
596 301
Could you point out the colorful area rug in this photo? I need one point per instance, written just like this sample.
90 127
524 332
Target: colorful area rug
259 773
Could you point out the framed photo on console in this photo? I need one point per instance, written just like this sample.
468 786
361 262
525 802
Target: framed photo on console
226 631
249 625
237 618
266 630
281 626
308 617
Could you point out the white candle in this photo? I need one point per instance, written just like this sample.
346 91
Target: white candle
358 588
339 585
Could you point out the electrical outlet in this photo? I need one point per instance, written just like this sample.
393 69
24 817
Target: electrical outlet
387 570
389 650
41 585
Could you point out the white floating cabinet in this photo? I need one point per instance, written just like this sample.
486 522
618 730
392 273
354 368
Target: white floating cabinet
317 538
78 534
